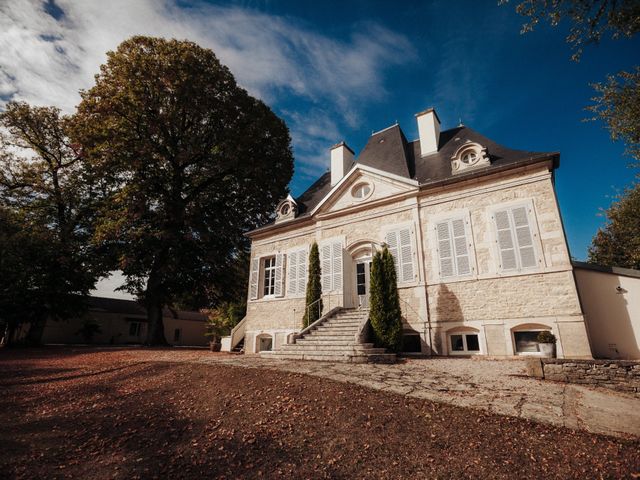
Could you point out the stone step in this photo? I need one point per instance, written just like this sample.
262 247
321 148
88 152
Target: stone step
337 328
309 341
356 348
357 358
331 336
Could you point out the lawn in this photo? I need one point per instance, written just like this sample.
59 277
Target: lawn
139 413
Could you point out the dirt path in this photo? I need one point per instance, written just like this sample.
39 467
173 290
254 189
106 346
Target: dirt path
180 414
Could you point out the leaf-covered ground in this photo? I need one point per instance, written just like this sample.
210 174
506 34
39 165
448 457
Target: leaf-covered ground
96 414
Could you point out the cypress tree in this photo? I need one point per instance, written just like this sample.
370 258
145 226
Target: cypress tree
376 299
314 288
393 313
384 302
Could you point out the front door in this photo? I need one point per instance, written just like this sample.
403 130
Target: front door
363 271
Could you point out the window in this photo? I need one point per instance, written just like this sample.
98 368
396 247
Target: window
469 157
134 329
453 248
270 272
331 266
269 276
401 248
297 273
464 343
176 335
265 343
526 341
361 191
515 238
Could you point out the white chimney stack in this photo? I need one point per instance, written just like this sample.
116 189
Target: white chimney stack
429 131
341 160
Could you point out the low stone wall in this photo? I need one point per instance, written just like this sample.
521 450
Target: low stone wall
621 375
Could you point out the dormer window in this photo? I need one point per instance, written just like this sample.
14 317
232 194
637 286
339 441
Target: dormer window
469 155
361 191
286 210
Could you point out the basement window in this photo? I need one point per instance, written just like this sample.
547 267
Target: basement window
461 343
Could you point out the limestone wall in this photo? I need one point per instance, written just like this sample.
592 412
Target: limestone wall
618 375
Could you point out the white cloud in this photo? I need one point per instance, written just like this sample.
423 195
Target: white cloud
46 60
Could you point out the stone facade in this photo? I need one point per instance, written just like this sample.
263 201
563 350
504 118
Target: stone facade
489 303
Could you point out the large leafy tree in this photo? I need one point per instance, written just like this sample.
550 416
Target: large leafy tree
48 200
618 243
196 162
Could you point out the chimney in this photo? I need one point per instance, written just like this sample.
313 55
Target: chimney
341 160
429 131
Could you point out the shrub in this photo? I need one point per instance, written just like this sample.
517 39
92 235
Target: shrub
384 303
546 337
223 318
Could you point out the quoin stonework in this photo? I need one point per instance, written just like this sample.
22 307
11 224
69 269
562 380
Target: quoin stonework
474 228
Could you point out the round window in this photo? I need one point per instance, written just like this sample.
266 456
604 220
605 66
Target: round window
285 209
361 191
469 157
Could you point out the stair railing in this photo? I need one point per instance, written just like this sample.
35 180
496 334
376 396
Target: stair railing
238 332
319 307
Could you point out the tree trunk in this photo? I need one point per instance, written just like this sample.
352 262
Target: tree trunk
155 333
36 329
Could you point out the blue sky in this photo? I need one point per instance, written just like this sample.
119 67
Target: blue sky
340 70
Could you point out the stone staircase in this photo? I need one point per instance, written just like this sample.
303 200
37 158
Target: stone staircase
334 340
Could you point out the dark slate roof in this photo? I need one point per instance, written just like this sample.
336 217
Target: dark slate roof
389 150
133 308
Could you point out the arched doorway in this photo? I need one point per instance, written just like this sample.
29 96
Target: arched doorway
361 253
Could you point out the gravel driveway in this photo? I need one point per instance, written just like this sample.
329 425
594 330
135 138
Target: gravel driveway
500 386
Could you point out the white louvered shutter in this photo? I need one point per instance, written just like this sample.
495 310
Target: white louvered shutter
303 259
279 277
406 255
336 265
253 281
445 250
325 267
393 244
460 247
524 238
292 273
505 240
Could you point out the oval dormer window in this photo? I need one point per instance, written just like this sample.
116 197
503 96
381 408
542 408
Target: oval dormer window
285 209
361 191
469 157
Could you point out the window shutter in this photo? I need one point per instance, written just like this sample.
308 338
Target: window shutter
336 265
303 258
461 251
292 273
445 250
253 282
393 242
325 261
279 280
505 240
406 255
524 237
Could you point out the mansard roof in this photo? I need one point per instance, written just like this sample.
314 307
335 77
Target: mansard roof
389 151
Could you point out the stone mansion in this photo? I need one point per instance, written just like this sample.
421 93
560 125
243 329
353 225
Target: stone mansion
475 230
